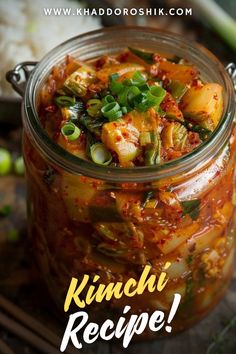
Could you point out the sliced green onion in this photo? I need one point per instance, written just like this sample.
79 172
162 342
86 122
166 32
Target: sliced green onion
65 101
137 80
94 107
141 103
5 162
177 89
126 97
115 86
70 131
19 166
144 87
100 154
157 94
112 111
153 150
149 99
108 99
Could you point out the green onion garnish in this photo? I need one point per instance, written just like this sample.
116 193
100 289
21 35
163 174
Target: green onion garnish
108 99
132 93
126 96
156 94
153 150
70 131
137 80
100 154
112 111
115 86
5 162
151 98
94 107
65 101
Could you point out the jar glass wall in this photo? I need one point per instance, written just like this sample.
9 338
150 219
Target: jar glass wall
85 219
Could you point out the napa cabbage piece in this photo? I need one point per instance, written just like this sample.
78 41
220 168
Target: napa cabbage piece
122 138
171 108
120 69
182 73
204 105
174 135
78 82
143 121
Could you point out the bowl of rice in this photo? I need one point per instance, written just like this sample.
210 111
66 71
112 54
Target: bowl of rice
28 33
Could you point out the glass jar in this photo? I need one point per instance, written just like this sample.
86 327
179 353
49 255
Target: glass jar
89 219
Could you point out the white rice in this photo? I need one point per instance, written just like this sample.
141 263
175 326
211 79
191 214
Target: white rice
26 33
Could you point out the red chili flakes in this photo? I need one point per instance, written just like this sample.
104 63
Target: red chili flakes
94 88
162 241
123 57
194 138
194 83
125 135
52 108
118 138
129 120
154 69
157 58
100 62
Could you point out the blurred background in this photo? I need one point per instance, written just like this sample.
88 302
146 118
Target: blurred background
27 34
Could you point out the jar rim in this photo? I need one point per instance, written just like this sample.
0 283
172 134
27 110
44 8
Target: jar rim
75 165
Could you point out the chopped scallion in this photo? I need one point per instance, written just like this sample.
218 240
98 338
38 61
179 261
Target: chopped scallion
94 106
100 154
112 111
108 99
115 86
65 101
70 131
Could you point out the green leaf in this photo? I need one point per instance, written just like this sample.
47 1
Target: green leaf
192 208
203 133
146 56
